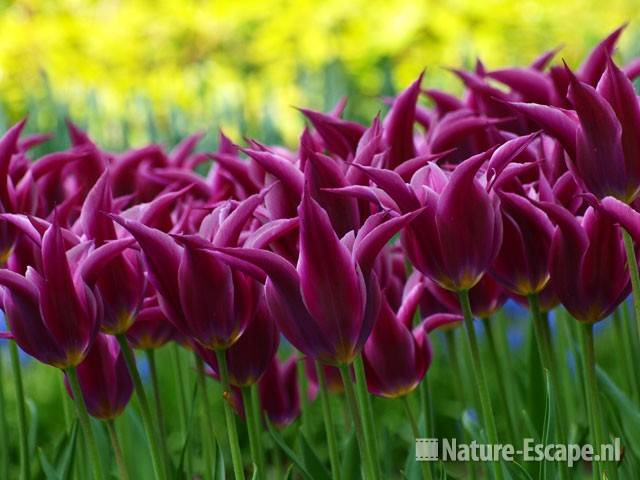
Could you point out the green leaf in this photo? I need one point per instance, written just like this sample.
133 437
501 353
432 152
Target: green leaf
311 461
289 473
65 458
522 472
626 408
255 472
287 450
48 469
179 473
549 422
350 467
32 434
219 473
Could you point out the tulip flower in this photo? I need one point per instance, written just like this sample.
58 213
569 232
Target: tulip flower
248 358
104 379
279 392
522 262
151 329
587 263
394 360
52 316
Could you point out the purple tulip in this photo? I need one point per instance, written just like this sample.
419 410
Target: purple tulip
600 137
53 315
249 357
395 361
104 379
522 264
588 264
326 309
151 328
279 392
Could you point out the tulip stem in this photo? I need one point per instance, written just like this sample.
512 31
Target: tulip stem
500 376
130 360
182 401
257 419
548 360
633 273
85 422
117 449
25 466
352 404
480 377
252 430
304 401
364 400
4 439
232 431
426 471
206 427
153 369
329 427
592 396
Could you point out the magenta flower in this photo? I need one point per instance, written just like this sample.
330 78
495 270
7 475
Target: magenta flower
249 357
151 328
104 379
522 264
600 137
325 309
588 264
279 392
53 315
395 361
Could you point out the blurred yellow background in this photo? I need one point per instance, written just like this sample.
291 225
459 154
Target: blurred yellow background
139 69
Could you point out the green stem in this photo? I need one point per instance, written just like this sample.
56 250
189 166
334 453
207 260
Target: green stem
85 423
500 377
329 426
480 378
633 273
155 385
352 404
206 427
4 439
181 401
452 349
25 464
304 401
426 471
254 434
548 360
622 341
152 438
232 431
257 420
593 399
364 400
117 450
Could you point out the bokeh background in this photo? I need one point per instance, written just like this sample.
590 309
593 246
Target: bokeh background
138 70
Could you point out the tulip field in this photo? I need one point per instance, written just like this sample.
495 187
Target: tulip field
462 267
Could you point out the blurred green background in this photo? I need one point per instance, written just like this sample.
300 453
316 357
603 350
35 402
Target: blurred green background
140 70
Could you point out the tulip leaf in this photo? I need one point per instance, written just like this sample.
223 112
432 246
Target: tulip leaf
549 422
522 472
254 467
48 469
187 437
350 467
220 469
32 434
626 408
277 438
289 473
66 456
311 461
